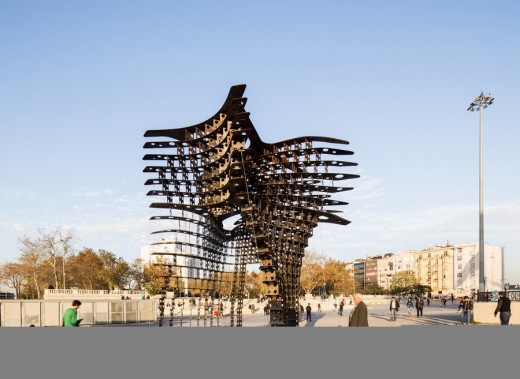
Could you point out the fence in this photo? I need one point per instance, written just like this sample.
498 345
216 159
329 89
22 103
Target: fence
94 312
513 295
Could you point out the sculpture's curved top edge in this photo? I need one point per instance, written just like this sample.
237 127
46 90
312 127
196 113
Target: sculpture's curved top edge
235 92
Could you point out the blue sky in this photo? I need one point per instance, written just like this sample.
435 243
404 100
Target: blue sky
81 82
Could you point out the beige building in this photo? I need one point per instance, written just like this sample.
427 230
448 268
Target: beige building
434 267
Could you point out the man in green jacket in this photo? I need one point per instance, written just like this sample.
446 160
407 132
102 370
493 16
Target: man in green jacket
70 317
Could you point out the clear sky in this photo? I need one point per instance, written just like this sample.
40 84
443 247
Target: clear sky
80 83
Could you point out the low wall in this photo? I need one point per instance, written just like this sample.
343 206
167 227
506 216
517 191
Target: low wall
93 311
483 313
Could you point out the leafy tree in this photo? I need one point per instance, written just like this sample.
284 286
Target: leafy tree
86 270
11 274
116 271
404 281
312 274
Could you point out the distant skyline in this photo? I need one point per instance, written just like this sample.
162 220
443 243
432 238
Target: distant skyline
82 82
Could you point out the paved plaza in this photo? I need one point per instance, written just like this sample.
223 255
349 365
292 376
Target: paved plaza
378 316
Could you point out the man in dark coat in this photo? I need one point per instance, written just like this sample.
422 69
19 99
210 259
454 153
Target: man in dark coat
504 307
419 304
359 315
308 309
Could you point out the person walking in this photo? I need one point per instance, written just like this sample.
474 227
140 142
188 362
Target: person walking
394 308
335 307
504 307
308 309
419 304
428 301
319 307
409 305
359 315
466 305
70 317
340 312
301 312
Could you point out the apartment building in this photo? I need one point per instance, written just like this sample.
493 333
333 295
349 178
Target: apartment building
386 270
434 267
371 271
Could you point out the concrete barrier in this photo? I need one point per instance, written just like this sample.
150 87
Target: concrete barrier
20 313
483 313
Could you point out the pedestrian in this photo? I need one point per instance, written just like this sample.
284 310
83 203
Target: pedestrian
428 301
394 308
335 307
452 298
409 304
308 309
340 309
319 307
444 300
466 305
301 312
70 317
359 315
504 307
419 304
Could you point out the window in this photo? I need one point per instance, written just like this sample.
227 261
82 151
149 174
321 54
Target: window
459 267
445 253
429 255
459 275
459 258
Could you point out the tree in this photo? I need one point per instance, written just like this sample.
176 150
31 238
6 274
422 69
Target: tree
33 267
86 270
254 283
337 278
11 274
116 271
56 245
312 274
137 275
404 281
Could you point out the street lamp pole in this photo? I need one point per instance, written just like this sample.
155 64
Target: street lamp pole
479 103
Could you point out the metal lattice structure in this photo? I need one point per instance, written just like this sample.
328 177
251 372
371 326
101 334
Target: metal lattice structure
277 192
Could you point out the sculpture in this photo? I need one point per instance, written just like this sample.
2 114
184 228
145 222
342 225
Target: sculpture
278 193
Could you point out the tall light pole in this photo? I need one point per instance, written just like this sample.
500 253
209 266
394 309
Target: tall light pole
63 260
479 103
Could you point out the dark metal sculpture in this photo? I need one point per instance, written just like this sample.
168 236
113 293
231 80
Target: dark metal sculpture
277 192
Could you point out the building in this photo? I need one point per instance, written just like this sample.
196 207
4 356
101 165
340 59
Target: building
386 270
359 274
371 271
434 267
404 261
170 252
466 278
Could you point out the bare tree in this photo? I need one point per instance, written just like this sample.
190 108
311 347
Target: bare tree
32 264
56 245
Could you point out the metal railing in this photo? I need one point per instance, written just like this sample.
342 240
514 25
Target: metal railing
513 295
92 292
